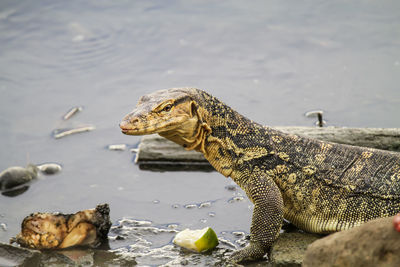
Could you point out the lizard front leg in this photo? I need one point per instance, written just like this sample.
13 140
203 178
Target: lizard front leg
267 219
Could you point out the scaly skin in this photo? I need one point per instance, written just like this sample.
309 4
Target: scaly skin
320 187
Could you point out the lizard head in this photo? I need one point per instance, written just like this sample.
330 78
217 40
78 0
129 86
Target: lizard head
172 113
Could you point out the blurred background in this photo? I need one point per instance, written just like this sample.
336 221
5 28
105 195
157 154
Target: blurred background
270 60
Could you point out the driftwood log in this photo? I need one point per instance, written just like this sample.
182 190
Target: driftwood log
158 153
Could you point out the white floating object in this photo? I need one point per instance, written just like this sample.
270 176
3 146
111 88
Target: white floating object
197 240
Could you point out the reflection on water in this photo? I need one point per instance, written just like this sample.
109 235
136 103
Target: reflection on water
270 60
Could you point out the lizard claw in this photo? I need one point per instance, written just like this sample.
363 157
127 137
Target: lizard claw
253 251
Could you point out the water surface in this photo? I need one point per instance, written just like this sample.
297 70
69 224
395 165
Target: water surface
270 60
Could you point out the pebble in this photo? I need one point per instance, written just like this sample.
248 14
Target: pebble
49 168
230 187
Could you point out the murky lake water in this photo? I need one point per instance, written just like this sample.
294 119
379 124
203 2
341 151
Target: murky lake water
270 60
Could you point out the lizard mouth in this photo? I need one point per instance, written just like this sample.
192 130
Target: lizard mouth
125 129
128 131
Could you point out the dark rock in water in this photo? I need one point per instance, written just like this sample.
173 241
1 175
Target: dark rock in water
375 243
15 176
15 191
16 256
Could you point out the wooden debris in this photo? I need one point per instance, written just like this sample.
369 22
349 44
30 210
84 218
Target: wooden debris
117 147
72 112
59 133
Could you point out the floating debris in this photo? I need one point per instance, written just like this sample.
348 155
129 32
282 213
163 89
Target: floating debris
197 240
211 214
72 112
49 168
3 226
316 114
172 226
57 230
118 147
16 176
134 150
59 133
231 187
176 206
190 206
235 199
239 234
205 205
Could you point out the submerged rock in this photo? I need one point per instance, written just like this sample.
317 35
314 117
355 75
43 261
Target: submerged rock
289 249
16 176
16 256
375 243
57 230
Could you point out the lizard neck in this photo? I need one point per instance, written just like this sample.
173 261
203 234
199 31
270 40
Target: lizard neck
233 142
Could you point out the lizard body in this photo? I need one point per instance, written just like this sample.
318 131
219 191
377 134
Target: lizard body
321 187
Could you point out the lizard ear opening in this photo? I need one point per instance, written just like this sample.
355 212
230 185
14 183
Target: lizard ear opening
193 109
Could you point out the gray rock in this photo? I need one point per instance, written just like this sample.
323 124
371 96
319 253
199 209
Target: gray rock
15 176
289 249
374 243
49 168
16 256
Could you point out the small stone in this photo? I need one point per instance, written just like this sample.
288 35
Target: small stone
230 187
49 168
118 237
184 262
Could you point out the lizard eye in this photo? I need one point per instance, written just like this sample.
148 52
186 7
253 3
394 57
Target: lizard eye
167 108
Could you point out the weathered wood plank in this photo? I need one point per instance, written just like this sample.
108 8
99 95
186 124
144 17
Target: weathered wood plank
156 152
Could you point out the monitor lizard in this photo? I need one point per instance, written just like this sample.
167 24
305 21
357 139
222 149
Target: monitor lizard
320 187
